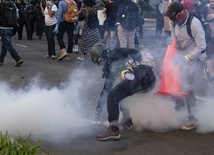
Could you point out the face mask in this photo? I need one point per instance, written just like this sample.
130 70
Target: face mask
49 2
180 19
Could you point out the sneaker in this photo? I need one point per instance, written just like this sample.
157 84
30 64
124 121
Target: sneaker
68 58
127 124
1 63
18 63
46 56
111 133
81 58
206 74
96 118
189 126
53 57
75 52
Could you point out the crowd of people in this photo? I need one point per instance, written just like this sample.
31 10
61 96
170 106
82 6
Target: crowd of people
123 21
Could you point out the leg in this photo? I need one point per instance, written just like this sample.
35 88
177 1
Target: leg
6 44
122 36
51 41
60 34
117 94
131 35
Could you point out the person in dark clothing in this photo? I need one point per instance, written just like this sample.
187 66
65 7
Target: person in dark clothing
159 20
7 30
26 13
40 20
137 77
110 22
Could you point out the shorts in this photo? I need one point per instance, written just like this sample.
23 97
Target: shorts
109 25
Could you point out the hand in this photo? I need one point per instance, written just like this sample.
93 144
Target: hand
56 30
169 40
40 5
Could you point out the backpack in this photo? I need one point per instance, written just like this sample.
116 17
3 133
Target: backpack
92 19
9 17
205 25
128 16
71 15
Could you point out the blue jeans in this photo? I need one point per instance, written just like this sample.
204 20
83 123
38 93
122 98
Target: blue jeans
6 35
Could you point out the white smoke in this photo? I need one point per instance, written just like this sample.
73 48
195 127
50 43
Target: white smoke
157 113
58 114
48 114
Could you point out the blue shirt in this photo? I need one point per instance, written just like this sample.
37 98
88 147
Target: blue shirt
63 6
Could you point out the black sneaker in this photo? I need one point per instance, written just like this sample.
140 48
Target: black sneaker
127 124
112 133
18 63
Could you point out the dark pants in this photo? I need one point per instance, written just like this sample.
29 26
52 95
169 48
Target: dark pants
159 25
117 94
50 39
6 35
190 77
109 82
27 25
65 27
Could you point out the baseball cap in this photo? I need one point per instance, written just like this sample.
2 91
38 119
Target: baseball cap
173 9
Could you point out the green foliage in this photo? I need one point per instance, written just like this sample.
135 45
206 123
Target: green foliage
18 146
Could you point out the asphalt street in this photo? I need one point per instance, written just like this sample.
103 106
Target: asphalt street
54 96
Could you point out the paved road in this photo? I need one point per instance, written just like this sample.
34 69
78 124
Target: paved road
52 100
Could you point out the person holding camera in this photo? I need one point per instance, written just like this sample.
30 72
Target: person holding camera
50 21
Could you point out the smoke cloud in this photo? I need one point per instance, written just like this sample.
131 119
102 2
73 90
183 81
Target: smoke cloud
59 114
51 114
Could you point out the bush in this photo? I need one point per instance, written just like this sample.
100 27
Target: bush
18 146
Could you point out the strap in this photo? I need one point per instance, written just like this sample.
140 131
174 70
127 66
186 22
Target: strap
188 25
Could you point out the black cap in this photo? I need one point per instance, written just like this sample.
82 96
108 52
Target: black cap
173 8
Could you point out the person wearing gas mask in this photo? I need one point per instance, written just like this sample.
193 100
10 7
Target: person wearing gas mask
137 75
112 65
50 22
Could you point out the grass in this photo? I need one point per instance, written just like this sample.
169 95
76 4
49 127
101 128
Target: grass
19 146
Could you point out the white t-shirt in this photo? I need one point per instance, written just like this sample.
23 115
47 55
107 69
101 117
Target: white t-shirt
49 21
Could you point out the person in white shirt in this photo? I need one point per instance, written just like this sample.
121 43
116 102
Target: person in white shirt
50 22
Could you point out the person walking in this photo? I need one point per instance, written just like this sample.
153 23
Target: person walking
63 26
90 33
7 30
